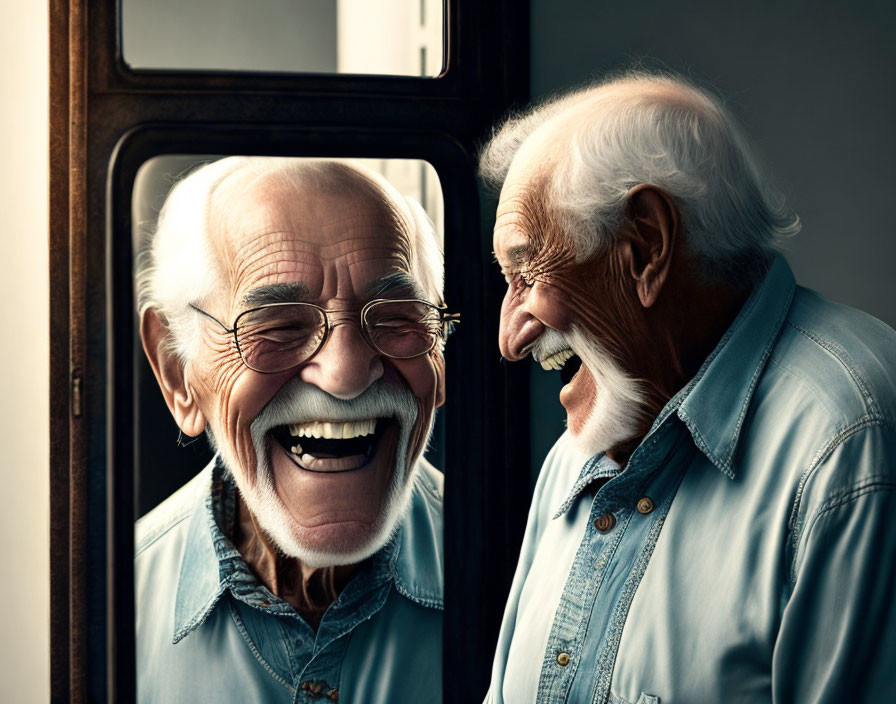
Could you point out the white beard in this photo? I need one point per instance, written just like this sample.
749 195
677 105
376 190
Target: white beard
299 402
619 400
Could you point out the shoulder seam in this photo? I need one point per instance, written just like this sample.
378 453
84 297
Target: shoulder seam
154 537
871 485
795 524
843 358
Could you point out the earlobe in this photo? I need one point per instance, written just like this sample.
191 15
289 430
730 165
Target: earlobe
651 236
171 375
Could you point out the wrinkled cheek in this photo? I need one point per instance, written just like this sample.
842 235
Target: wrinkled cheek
245 451
417 440
236 429
425 409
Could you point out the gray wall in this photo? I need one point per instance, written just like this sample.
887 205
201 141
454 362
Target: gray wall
814 83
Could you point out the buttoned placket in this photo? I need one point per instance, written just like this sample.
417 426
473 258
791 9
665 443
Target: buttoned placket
307 663
619 536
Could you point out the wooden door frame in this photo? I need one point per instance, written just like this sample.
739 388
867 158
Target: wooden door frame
105 120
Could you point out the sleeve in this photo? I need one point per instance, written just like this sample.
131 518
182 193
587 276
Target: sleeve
837 636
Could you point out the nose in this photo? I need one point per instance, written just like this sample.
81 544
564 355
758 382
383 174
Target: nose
346 365
519 328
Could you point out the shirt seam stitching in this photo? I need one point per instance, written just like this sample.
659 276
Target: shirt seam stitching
784 369
842 357
153 538
869 486
758 371
600 689
264 663
797 525
822 455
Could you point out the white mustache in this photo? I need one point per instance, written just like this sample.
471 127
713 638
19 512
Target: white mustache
301 402
549 342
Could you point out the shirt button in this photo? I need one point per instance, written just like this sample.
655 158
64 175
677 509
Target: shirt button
605 523
563 659
333 695
645 505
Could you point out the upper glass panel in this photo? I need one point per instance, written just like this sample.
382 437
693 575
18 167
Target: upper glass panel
386 37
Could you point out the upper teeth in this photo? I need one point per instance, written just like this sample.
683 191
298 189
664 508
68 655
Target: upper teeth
556 360
336 430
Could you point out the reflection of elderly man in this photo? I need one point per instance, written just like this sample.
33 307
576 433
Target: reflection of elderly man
289 309
716 523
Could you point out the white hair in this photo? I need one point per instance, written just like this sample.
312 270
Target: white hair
176 265
599 142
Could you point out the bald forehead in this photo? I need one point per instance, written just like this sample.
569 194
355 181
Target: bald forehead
291 226
314 202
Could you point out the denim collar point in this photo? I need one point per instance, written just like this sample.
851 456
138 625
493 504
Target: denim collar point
199 585
715 403
416 566
598 467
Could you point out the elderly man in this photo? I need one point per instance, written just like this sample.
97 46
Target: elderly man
291 310
715 525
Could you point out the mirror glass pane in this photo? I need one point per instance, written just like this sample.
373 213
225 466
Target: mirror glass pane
386 37
163 461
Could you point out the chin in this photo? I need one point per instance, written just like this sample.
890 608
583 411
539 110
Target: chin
348 540
333 544
617 406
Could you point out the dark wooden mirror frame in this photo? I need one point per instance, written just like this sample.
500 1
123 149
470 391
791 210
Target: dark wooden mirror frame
105 121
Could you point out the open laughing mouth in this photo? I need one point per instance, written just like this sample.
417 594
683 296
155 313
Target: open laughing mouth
333 446
565 361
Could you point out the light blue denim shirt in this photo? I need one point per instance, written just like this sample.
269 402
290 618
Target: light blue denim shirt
747 553
208 631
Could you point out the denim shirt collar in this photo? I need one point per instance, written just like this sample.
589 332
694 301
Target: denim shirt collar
598 467
714 403
412 560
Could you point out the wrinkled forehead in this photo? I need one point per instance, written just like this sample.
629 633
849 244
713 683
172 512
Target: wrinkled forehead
524 223
332 238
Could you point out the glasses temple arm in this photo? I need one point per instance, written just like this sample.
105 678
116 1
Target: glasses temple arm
211 317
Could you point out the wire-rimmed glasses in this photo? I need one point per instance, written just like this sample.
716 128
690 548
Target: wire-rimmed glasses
279 336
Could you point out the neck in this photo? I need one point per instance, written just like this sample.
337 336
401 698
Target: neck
684 328
310 591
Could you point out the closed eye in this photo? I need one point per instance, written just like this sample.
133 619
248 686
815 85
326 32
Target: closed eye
282 334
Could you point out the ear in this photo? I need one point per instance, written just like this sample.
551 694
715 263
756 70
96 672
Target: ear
649 239
170 374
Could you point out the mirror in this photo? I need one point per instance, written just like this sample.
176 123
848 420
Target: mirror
388 37
314 536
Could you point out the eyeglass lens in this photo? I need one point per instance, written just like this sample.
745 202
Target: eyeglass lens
271 339
275 338
403 329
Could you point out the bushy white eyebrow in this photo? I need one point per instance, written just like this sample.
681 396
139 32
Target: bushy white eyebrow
295 292
396 282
